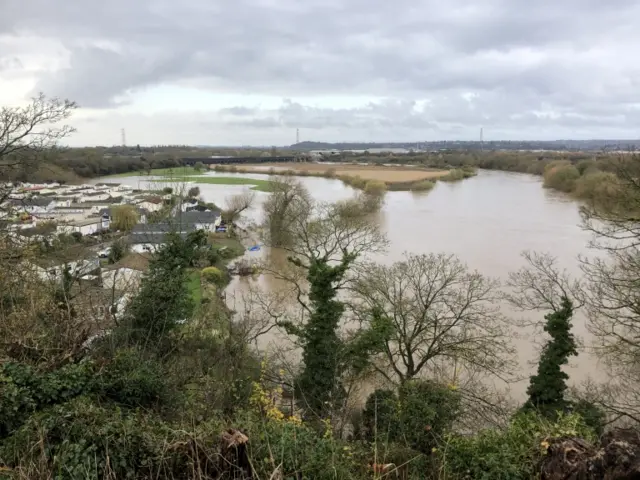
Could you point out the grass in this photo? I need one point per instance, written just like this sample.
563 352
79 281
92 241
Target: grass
222 240
259 185
195 286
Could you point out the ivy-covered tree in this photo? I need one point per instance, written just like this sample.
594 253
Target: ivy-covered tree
318 384
548 386
323 246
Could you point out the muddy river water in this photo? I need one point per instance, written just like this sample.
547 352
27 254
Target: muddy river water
487 221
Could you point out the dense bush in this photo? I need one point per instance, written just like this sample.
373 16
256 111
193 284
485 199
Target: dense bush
419 416
83 440
213 275
300 452
379 418
509 454
598 187
135 381
355 181
25 389
561 177
374 187
422 186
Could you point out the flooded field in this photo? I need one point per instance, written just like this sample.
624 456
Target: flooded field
384 173
487 221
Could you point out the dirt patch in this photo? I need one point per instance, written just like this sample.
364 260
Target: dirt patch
366 172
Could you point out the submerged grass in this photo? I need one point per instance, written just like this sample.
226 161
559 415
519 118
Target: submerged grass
259 185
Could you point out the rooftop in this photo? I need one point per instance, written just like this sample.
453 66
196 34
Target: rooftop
164 227
84 223
133 261
31 202
152 238
195 216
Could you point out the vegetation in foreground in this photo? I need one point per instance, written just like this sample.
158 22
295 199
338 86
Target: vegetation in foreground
159 388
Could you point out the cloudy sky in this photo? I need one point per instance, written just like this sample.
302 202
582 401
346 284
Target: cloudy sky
249 72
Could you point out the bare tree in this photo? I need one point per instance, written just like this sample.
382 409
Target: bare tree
431 312
289 203
541 285
237 204
612 287
29 132
615 223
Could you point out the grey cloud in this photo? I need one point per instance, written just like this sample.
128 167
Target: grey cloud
519 58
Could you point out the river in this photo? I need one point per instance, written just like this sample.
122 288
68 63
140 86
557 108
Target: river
487 221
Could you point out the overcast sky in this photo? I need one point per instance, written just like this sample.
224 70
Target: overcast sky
240 72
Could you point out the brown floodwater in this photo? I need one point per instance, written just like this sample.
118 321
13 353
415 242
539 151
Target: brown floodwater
487 221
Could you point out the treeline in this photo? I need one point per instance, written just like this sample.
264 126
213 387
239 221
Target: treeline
100 161
590 176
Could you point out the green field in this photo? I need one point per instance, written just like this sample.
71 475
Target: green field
259 185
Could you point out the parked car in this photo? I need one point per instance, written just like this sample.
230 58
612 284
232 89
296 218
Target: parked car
104 253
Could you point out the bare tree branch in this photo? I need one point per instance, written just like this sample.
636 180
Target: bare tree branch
541 285
437 310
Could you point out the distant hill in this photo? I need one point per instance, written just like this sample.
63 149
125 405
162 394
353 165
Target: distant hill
569 145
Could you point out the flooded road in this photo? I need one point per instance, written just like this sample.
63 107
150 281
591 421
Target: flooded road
487 221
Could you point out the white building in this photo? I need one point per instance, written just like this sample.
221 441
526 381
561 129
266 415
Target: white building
151 204
94 196
86 227
207 221
53 270
126 274
33 205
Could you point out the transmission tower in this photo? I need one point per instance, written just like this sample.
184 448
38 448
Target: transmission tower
297 135
124 138
481 140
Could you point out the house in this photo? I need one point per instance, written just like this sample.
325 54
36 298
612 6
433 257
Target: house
207 221
52 269
142 213
126 274
34 233
189 204
152 204
86 227
71 214
94 196
33 205
152 237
